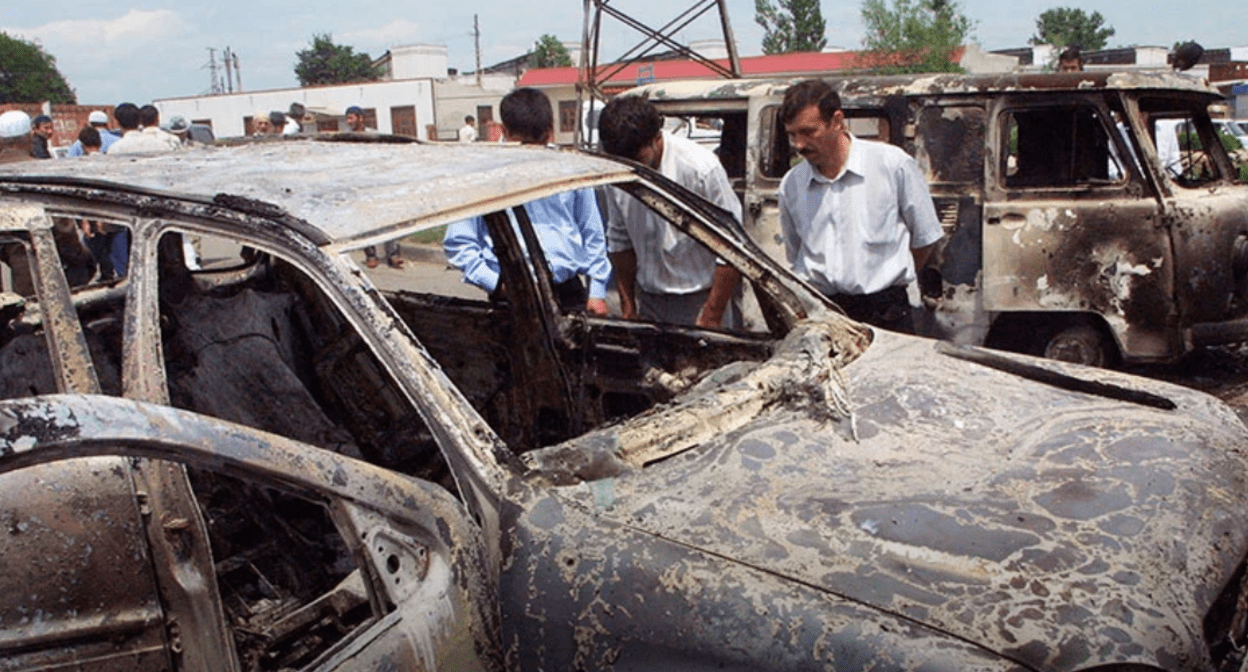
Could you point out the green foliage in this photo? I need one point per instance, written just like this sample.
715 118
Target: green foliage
324 62
914 35
28 74
1067 26
549 52
790 25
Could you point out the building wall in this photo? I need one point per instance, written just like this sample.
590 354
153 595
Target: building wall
227 113
456 100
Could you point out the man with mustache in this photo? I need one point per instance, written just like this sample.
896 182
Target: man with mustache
856 215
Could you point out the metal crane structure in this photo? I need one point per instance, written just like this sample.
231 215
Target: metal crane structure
590 78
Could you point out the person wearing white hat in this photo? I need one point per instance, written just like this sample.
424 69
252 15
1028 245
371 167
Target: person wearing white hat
15 146
99 121
15 132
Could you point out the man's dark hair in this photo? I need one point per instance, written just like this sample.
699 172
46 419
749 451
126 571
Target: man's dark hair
526 114
149 115
1070 53
41 119
627 124
90 137
278 120
127 116
469 119
806 93
354 109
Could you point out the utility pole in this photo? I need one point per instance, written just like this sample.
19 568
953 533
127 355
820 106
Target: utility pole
238 74
476 33
215 86
229 79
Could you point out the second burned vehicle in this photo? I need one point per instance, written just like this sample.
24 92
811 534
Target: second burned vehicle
1091 217
269 463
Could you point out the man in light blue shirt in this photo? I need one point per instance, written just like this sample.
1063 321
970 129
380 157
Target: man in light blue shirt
568 225
98 121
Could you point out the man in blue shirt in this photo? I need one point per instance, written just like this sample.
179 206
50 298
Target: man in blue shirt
98 121
568 225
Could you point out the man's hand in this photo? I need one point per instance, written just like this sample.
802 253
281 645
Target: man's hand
596 307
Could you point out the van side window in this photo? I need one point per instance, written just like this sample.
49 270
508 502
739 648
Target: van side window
1057 147
775 155
1183 140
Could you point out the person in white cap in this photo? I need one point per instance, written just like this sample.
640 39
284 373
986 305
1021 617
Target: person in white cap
14 136
15 146
99 121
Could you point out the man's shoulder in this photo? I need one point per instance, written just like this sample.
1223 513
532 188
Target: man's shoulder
690 153
879 151
799 174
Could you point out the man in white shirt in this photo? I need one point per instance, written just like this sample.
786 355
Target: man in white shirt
856 215
134 141
661 273
469 132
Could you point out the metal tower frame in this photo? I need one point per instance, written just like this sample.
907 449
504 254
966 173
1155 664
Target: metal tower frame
590 80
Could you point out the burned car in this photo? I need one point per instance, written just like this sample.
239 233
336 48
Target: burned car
1091 217
263 461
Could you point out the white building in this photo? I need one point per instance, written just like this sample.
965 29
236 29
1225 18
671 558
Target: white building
416 97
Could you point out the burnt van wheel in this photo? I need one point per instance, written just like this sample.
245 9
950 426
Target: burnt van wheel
1080 344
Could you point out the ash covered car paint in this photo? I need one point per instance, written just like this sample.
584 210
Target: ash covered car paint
269 463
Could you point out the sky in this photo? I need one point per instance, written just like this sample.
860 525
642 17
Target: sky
158 49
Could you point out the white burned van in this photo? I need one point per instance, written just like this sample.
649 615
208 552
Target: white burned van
1089 217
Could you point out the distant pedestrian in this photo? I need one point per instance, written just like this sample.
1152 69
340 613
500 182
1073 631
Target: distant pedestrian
469 132
41 135
149 117
99 121
179 127
15 138
294 119
1070 60
89 141
15 135
356 122
133 140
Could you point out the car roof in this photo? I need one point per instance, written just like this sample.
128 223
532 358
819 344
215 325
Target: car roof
345 190
929 84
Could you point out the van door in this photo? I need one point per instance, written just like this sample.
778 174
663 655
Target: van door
771 159
1074 245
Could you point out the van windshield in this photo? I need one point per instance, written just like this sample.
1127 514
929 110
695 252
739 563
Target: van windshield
1187 146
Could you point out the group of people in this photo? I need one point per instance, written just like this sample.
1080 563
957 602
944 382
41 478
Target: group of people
856 217
138 131
89 249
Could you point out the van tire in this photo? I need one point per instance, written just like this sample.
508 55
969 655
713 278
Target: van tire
1080 343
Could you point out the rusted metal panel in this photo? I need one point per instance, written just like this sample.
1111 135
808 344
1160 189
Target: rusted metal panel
451 613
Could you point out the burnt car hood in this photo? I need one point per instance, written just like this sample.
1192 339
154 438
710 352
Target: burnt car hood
977 502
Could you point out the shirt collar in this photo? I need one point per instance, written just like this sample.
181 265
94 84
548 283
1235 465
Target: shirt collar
854 163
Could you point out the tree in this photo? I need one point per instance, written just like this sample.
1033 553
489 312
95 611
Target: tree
324 62
549 52
28 74
1067 26
914 35
790 25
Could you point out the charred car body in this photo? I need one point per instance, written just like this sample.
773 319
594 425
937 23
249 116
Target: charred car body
1082 225
269 463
